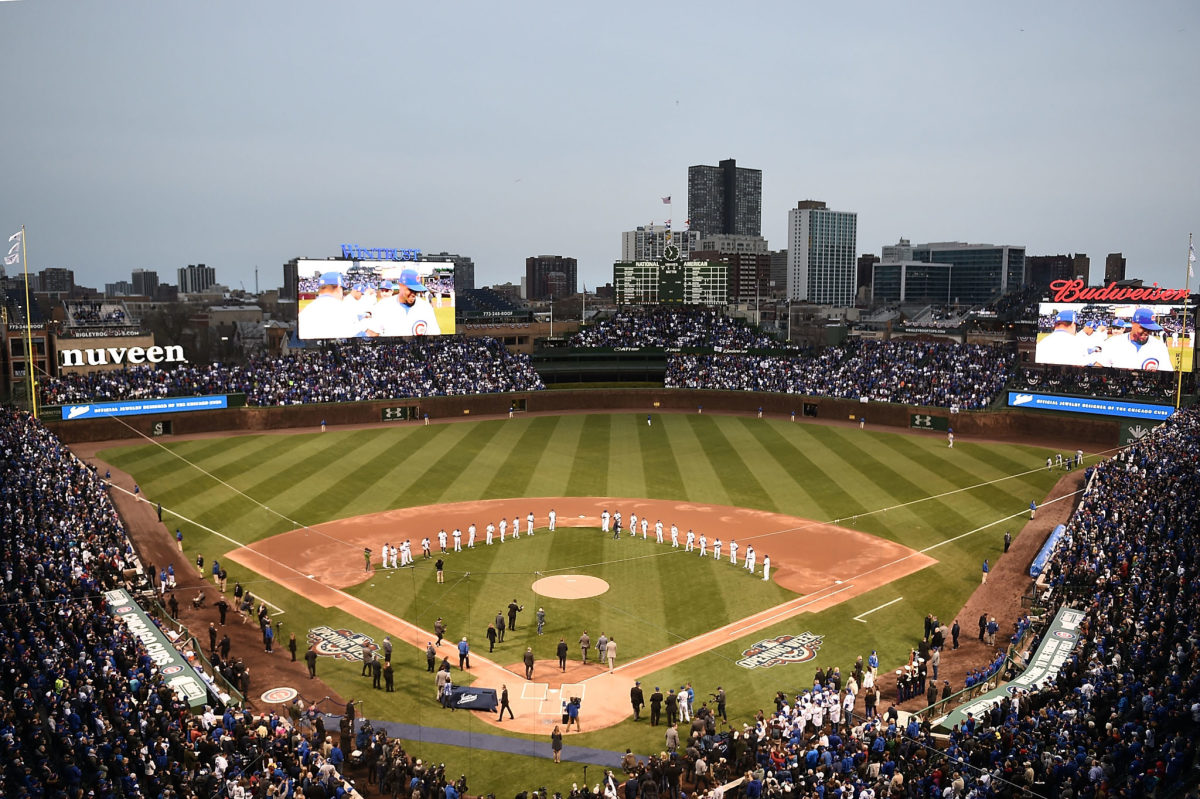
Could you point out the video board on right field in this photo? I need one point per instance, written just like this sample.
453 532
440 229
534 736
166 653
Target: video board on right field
1158 337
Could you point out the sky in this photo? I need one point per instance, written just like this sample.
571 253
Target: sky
241 135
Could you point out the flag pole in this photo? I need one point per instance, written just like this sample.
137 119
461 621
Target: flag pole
1187 289
30 372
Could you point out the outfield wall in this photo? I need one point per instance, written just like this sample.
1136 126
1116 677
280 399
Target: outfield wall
1014 425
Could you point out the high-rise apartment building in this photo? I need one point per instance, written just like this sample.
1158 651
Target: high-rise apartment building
538 269
145 282
725 199
56 280
821 254
196 278
1114 268
1042 270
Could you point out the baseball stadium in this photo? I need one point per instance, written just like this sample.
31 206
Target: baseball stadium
666 552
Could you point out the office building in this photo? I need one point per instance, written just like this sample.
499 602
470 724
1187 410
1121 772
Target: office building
981 272
538 270
649 242
196 278
910 282
865 275
779 272
821 254
725 199
121 288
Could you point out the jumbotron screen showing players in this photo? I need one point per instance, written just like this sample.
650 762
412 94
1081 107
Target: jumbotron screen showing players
374 299
1152 337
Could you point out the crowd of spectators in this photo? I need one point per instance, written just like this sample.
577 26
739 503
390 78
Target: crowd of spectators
92 314
83 708
1120 719
1121 383
673 327
900 370
420 367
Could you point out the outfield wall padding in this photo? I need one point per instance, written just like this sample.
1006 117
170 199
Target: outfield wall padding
1013 425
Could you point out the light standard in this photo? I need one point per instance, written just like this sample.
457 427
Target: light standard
551 316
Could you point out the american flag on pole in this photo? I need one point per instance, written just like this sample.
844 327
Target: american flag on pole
1191 260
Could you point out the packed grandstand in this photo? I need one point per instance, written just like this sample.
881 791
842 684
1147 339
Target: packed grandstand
83 707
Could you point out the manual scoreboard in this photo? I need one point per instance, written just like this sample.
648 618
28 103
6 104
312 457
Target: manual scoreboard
670 282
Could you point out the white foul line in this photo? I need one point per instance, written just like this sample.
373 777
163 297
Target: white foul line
859 617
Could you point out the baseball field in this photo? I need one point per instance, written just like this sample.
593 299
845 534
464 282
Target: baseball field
886 526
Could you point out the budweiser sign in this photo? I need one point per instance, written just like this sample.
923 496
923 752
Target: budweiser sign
1076 291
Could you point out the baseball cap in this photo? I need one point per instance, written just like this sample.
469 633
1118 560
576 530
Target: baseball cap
410 279
331 279
387 285
1145 318
1065 316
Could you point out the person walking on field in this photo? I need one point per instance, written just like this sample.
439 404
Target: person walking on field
611 652
986 569
504 705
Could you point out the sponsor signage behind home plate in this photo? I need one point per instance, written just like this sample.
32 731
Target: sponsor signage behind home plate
781 650
340 644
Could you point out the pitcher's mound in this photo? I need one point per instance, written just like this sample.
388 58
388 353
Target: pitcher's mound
570 586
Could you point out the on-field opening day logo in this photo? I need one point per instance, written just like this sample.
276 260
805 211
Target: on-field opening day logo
781 650
340 644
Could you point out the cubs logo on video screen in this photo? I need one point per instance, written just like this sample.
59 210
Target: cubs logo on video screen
781 650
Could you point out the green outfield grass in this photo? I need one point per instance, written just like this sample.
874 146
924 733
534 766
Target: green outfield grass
911 489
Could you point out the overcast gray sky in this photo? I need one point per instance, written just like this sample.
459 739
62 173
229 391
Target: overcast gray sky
157 134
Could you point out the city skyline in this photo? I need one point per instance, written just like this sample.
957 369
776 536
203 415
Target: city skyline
284 131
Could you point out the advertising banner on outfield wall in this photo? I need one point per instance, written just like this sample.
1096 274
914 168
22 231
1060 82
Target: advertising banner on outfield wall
178 674
1091 405
144 406
1057 645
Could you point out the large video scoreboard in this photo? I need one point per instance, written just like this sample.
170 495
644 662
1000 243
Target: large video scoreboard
671 282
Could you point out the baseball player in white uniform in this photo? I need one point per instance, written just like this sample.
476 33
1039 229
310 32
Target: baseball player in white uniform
633 525
491 529
1141 350
327 316
604 521
387 553
1062 346
658 531
529 523
750 558
766 568
503 528
457 536
733 548
471 536
717 549
646 527
516 527
442 540
553 519
703 545
674 537
409 315
426 552
406 557
691 538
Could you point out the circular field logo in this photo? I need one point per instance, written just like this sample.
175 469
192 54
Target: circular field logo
173 669
781 650
277 696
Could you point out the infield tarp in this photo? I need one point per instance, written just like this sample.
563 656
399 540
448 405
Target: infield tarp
472 698
1046 551
1057 644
